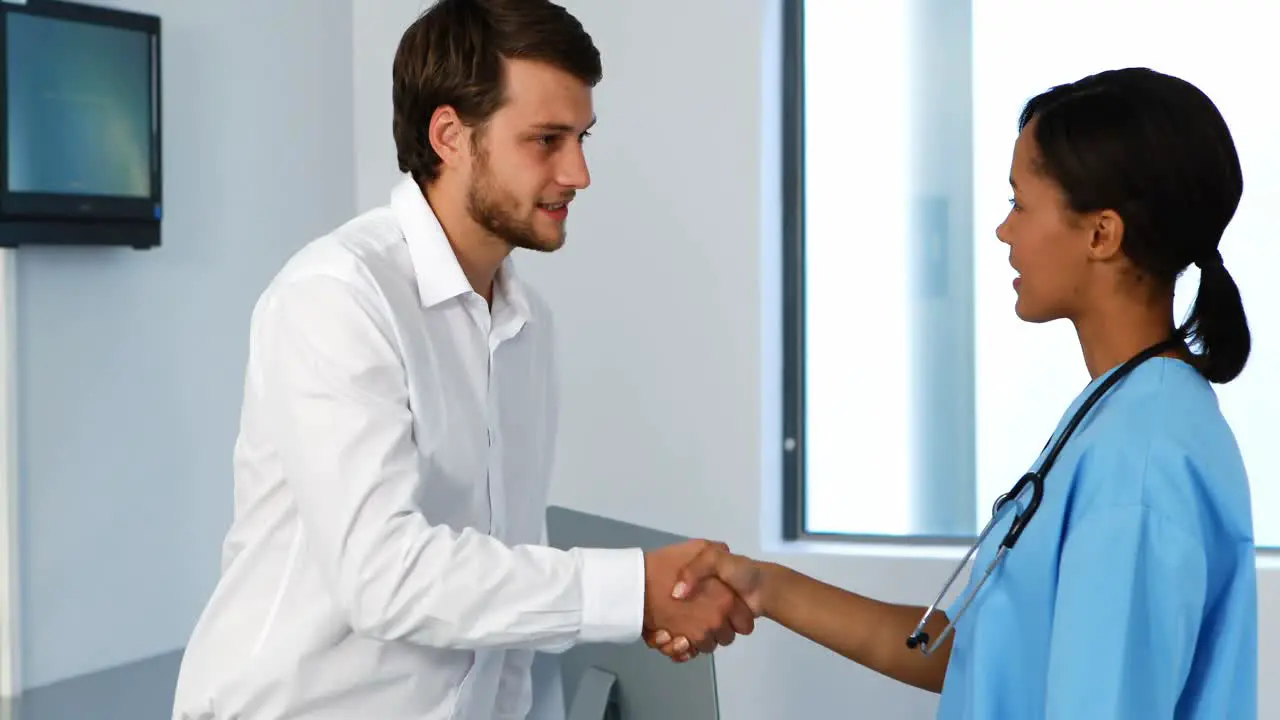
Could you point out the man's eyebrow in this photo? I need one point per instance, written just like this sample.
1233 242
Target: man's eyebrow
561 127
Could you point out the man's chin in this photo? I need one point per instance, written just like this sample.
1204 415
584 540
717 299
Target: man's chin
542 244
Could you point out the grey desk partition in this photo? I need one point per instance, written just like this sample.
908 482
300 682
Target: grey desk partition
627 682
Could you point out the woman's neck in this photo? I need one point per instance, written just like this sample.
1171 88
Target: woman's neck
1110 338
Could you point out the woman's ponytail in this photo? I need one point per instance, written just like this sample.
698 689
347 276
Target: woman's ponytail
1217 323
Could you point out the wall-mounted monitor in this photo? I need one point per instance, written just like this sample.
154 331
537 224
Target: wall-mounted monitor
79 125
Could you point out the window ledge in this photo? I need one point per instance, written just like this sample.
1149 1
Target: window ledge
874 546
881 547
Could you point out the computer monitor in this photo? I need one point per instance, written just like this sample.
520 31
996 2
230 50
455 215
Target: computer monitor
631 681
79 125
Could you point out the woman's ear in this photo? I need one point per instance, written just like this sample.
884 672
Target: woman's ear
1108 235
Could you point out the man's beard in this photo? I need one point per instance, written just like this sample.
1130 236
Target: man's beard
495 211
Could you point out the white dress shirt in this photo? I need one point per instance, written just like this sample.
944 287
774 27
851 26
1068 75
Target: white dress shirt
391 473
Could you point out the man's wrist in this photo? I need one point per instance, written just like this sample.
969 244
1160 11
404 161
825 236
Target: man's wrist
611 579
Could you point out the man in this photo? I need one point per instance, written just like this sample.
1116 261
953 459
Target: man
399 419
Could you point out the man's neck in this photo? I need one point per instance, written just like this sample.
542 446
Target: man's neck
479 252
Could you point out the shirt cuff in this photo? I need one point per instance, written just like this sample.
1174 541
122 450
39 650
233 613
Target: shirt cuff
612 595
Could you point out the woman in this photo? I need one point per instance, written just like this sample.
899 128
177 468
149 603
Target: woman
1130 591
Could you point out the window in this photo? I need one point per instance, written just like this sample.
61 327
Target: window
913 395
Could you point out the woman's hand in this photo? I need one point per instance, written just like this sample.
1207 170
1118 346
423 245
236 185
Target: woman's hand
869 632
743 575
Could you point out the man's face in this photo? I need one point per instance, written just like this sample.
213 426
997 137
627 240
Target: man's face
527 161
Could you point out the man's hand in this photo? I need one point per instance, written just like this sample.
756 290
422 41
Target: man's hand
715 617
711 569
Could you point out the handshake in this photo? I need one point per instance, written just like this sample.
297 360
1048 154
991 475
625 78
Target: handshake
699 596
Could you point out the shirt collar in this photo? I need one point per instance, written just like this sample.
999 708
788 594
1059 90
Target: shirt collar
438 273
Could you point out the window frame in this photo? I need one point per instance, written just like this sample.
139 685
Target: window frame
793 329
794 488
794 309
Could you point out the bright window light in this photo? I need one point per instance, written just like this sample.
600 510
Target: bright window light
925 396
855 268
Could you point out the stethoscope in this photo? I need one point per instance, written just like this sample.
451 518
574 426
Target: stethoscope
1034 479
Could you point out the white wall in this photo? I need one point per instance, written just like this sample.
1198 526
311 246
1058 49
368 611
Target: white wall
377 27
130 363
659 296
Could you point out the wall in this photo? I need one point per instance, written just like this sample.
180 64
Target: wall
130 363
659 296
377 33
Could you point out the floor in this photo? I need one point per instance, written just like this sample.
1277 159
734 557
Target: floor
138 691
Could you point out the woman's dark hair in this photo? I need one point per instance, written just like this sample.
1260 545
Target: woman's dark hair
1154 149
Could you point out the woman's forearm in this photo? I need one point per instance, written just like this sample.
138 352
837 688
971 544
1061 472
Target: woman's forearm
869 632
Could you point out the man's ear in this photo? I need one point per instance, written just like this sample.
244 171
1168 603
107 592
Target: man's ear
447 135
1108 235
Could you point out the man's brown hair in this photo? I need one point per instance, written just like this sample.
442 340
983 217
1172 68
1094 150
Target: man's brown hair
453 55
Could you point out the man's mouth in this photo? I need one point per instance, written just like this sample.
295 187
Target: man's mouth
556 211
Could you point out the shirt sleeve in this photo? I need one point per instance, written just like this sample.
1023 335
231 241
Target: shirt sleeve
1131 589
335 399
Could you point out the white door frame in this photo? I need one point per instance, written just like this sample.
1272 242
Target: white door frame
10 647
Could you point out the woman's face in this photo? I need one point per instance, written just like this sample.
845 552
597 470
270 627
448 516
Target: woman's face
1048 244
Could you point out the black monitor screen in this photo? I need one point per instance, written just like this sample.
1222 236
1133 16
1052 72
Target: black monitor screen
79 107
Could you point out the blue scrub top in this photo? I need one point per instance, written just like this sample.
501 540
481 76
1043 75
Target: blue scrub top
1132 593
